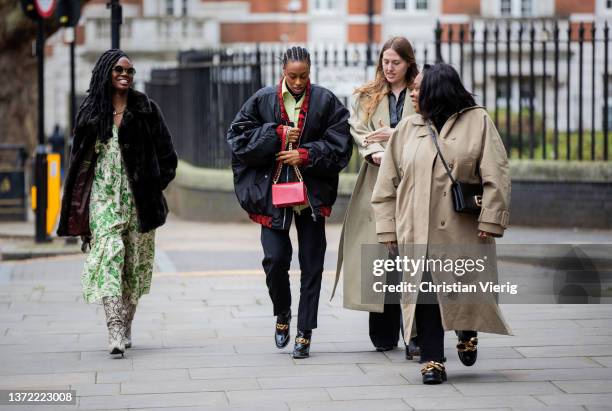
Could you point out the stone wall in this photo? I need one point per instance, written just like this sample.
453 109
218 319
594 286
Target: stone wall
544 194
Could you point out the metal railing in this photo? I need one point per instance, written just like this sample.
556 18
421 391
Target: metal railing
545 83
199 101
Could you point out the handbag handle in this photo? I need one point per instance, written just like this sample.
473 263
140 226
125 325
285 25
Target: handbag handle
277 174
435 140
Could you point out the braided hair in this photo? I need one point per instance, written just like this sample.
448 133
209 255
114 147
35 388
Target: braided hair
99 98
296 53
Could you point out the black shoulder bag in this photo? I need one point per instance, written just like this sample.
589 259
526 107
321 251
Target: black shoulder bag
467 197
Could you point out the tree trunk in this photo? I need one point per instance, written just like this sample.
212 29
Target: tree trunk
18 88
18 96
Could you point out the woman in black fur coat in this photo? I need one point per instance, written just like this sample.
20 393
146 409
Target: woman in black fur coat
121 161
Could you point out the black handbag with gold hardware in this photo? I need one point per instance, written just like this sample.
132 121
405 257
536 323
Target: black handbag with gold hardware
467 197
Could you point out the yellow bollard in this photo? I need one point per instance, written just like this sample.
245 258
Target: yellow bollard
53 190
33 197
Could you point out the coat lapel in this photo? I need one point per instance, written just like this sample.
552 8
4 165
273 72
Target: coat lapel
381 114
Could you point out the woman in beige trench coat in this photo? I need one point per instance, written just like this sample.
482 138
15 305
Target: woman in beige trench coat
377 108
413 207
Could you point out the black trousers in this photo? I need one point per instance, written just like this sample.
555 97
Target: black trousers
429 326
277 260
386 327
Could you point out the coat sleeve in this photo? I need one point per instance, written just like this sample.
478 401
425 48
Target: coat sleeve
495 175
253 142
385 191
164 149
360 128
332 152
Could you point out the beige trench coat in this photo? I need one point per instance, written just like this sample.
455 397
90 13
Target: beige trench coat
412 203
359 227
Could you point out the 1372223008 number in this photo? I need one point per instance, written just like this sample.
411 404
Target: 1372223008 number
33 396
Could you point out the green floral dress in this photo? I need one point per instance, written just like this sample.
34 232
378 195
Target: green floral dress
121 259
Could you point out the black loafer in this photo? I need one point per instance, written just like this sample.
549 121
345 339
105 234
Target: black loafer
433 373
412 349
467 350
302 344
281 330
384 348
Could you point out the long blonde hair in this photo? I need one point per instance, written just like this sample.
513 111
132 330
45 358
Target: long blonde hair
374 91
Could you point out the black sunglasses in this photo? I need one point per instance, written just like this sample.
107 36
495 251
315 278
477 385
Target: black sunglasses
120 70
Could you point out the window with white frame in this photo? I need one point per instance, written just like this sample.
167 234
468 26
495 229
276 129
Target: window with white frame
169 7
422 5
400 4
526 8
505 7
516 8
184 7
608 4
325 5
410 5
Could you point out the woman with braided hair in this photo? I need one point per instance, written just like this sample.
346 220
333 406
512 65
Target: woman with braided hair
122 159
292 131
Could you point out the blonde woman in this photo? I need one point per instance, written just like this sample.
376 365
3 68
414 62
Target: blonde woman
377 108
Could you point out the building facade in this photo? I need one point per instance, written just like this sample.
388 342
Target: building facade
154 31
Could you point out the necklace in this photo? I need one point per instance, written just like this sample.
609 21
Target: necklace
116 113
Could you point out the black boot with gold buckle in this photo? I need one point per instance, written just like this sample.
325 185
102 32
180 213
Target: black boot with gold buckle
302 344
433 373
467 350
281 331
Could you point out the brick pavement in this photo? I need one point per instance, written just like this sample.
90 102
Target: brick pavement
203 340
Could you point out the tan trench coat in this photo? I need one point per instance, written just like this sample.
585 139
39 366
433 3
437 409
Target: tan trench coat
412 203
359 227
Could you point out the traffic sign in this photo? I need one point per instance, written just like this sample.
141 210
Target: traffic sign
45 8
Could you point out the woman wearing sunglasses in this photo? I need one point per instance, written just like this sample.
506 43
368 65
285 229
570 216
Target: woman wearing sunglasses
122 159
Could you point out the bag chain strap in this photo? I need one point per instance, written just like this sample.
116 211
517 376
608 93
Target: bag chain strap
280 168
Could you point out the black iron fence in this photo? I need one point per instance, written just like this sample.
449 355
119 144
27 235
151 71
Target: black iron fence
545 83
199 100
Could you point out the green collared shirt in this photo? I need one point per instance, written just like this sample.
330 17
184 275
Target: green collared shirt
292 106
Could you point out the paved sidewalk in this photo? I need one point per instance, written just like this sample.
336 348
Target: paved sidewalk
203 340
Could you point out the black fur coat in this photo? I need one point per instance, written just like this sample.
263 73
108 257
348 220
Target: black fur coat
149 159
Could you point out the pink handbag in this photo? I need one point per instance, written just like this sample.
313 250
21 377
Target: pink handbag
288 194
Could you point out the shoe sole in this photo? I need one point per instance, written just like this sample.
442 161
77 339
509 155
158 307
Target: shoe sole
299 357
467 363
117 351
435 382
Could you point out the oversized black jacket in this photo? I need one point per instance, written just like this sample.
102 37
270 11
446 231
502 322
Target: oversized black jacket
149 159
254 143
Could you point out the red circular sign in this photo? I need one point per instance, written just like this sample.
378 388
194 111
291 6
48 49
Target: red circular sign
45 8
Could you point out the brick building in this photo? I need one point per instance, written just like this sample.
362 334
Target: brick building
154 31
